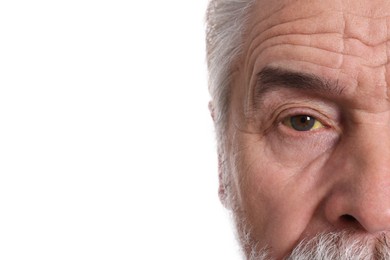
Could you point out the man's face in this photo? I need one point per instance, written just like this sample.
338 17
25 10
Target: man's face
308 143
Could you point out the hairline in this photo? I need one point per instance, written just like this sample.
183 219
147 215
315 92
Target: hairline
226 24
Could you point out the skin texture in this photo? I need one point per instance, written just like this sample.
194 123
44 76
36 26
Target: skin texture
287 184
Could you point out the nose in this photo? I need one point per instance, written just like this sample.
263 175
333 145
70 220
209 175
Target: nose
360 198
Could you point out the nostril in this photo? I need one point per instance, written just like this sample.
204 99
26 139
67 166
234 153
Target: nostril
350 222
348 219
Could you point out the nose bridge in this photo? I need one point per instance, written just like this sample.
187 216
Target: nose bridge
372 151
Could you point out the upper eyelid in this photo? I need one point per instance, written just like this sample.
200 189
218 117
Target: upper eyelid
325 120
287 103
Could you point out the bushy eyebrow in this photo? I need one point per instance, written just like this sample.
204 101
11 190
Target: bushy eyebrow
271 79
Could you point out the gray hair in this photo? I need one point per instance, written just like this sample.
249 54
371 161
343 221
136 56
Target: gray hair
226 20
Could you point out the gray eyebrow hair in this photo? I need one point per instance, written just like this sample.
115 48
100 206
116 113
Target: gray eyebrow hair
271 78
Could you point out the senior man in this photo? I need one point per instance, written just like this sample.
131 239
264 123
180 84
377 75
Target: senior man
301 105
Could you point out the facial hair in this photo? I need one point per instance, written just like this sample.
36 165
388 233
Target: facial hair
343 245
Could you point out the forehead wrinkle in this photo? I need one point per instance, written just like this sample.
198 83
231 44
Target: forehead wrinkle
270 27
331 59
374 57
379 60
283 14
368 16
369 8
365 16
248 60
289 28
299 39
369 31
274 19
290 10
286 28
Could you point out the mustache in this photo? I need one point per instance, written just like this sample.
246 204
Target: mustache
347 244
343 245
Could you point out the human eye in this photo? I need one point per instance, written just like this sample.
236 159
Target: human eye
303 123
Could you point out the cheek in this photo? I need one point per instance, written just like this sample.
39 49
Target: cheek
279 163
279 185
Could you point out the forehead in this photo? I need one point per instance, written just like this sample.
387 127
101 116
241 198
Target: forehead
291 8
356 18
347 41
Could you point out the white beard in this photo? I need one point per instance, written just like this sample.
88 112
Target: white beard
338 245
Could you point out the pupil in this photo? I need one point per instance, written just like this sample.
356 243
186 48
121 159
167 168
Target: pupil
304 119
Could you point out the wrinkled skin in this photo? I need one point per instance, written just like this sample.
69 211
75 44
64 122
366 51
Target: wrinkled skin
289 184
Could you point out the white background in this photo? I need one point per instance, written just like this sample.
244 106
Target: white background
106 147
